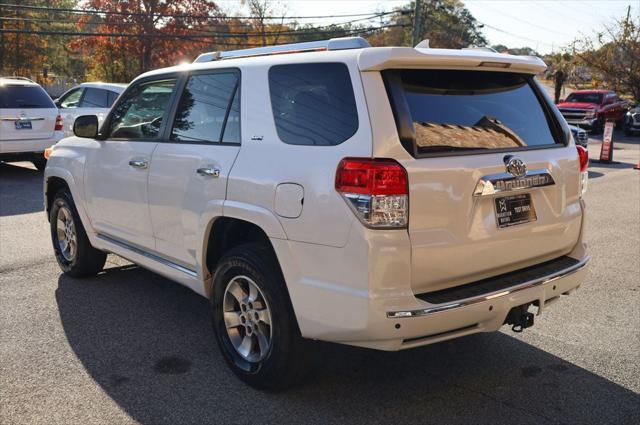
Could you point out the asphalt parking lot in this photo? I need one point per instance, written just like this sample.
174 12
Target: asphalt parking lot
129 346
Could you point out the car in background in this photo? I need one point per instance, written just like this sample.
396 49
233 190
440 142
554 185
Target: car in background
592 108
29 121
632 121
87 99
580 136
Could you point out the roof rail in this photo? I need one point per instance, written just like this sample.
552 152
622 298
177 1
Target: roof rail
342 43
17 78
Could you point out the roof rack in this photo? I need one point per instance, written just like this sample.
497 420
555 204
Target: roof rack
342 43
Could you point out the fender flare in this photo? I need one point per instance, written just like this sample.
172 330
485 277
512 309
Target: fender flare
260 216
78 199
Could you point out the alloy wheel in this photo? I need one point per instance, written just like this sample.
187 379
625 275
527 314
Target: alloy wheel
247 319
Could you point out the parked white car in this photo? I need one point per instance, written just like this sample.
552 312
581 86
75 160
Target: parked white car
87 99
386 197
29 121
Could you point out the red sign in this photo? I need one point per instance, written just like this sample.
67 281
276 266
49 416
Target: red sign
606 151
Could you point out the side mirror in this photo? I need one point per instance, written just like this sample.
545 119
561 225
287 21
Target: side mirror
86 126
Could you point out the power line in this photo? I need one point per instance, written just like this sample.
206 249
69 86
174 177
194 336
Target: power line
182 16
187 36
527 22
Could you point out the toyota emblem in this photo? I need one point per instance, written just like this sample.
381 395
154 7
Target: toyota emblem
515 166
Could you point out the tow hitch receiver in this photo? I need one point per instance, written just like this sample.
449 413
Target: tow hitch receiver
520 318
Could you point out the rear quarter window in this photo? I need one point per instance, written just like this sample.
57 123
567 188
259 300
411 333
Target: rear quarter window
313 104
24 97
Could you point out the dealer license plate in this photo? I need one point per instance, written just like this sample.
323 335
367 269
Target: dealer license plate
23 125
516 209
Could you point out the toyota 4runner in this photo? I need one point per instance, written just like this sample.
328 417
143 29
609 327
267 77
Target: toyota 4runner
386 197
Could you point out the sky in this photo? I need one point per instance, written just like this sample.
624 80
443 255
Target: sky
544 25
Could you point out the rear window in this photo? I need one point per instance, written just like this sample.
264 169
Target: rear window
313 104
24 97
473 110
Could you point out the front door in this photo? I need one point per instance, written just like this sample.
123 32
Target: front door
117 168
189 171
68 105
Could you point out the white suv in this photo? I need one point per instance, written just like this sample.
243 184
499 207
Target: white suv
29 121
385 197
87 99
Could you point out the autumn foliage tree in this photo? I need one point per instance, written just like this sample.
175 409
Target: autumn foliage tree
144 34
614 55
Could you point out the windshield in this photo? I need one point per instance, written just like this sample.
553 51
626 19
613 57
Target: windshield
585 98
24 97
454 110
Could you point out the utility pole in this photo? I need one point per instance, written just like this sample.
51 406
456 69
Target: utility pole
416 36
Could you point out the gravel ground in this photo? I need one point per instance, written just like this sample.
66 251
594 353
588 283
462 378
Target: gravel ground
128 346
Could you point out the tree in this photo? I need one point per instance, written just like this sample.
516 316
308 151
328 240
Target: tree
30 55
446 24
614 54
146 37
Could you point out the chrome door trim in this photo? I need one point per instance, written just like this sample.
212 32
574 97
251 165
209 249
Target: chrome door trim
463 303
507 182
149 255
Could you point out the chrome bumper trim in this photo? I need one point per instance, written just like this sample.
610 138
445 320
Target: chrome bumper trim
463 303
149 255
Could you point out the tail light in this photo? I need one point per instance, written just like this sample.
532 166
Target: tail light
583 156
58 126
377 191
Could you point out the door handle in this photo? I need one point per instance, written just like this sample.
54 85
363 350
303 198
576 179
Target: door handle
138 163
208 172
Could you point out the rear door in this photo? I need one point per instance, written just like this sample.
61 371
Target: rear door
493 186
26 113
117 168
189 169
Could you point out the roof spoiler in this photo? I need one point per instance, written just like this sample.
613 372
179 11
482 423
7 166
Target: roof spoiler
342 43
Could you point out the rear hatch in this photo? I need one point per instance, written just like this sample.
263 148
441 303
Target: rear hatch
493 179
26 112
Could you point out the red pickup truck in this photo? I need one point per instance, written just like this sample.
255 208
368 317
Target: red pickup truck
592 108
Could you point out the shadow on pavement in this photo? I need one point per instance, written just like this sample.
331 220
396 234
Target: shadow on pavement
148 343
20 190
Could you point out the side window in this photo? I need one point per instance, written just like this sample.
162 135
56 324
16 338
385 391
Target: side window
94 98
71 99
232 128
139 113
111 97
313 104
204 107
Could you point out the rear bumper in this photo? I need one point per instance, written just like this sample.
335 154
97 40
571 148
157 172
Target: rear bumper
374 306
28 146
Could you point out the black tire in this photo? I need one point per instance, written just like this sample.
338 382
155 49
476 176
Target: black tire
39 163
87 260
288 358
